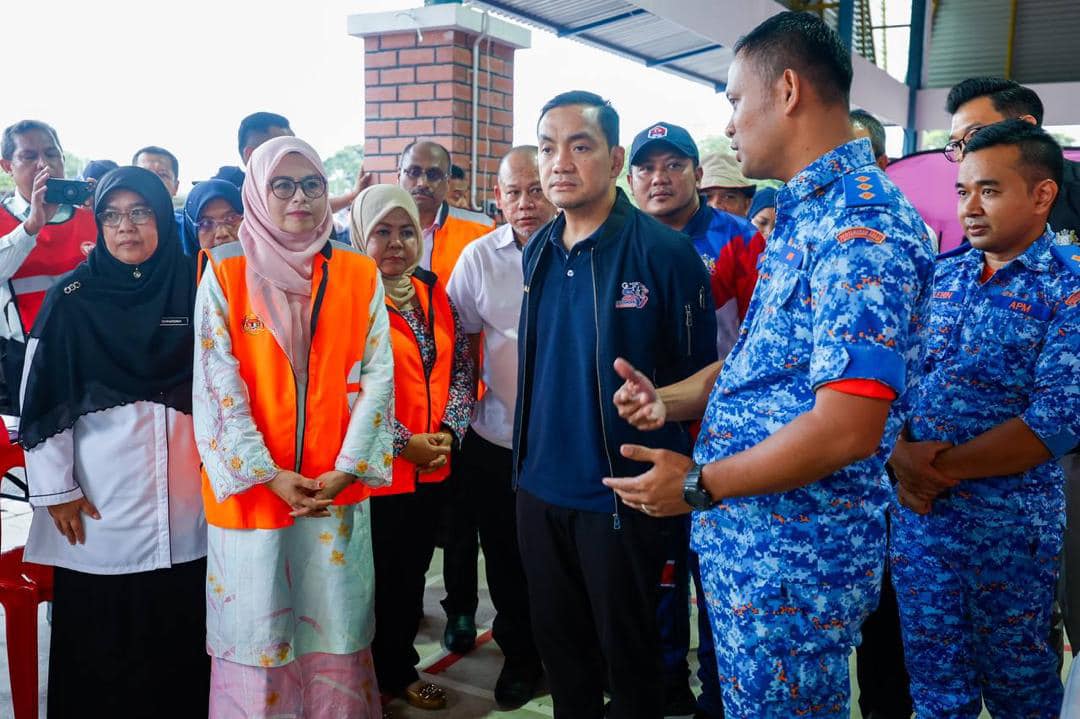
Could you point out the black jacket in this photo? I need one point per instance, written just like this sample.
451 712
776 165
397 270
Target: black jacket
669 338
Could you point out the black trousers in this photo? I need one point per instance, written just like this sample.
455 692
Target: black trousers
130 645
461 545
484 472
593 591
884 691
402 542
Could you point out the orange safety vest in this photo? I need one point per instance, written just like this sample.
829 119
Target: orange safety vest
459 228
57 250
303 434
420 399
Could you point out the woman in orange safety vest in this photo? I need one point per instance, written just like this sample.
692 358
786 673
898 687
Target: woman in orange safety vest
434 392
293 391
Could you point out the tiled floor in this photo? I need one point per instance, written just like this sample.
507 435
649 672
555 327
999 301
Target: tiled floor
468 679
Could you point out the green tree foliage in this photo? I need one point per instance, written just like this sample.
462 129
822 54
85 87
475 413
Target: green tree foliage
342 168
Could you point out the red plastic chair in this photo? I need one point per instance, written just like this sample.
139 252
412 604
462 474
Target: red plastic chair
22 587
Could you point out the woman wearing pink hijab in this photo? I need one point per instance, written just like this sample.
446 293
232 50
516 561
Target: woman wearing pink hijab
293 384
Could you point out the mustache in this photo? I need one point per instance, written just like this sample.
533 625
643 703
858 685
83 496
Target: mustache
419 191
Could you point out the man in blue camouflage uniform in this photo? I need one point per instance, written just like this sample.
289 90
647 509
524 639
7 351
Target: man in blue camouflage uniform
977 527
799 425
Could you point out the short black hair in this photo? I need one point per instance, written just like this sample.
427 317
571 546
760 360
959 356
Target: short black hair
1040 155
446 153
456 173
258 122
871 124
607 117
7 145
1009 98
155 150
802 42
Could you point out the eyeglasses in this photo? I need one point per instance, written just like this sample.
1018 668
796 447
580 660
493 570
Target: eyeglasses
313 186
954 150
209 224
137 215
433 174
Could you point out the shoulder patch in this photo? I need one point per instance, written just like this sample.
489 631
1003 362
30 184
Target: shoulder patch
861 233
1068 255
862 189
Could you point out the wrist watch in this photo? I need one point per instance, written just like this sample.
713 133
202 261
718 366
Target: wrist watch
694 493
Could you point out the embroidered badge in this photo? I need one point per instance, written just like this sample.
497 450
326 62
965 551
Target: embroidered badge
1025 307
86 247
635 295
861 233
948 296
253 325
657 131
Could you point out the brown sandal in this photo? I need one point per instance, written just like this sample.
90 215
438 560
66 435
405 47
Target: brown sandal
426 695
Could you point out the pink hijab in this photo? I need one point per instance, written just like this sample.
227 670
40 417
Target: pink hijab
279 263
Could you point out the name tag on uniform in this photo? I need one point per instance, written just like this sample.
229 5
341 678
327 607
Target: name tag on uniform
175 321
1033 309
956 296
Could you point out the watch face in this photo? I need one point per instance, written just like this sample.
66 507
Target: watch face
697 498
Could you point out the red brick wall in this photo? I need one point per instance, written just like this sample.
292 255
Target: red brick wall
424 91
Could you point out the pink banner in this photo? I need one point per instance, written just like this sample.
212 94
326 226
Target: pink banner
928 180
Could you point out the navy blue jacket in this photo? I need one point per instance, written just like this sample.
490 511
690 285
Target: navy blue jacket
653 307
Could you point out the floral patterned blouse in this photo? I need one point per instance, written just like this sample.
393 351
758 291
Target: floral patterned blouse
462 377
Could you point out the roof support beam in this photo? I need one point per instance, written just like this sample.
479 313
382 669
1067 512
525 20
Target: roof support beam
913 79
571 31
682 56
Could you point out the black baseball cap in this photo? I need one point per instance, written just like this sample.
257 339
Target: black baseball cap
667 133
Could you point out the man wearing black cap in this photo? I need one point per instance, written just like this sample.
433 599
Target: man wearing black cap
664 172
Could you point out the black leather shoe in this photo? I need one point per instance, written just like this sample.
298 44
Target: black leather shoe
516 685
460 634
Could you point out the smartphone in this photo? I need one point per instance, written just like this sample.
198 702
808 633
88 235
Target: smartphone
67 192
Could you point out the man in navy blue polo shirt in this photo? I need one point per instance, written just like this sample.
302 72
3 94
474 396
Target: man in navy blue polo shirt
601 279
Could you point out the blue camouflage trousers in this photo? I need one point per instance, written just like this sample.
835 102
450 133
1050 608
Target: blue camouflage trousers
782 646
975 596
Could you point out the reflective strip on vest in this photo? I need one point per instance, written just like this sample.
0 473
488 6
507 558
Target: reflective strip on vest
38 283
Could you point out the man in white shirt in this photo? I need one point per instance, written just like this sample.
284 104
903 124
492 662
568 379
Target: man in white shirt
486 287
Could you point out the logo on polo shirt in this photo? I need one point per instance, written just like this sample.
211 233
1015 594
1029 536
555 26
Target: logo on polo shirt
253 325
635 295
86 247
657 131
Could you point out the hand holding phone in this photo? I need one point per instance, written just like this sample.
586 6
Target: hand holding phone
67 192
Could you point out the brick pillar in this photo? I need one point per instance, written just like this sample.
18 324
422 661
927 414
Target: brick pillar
422 88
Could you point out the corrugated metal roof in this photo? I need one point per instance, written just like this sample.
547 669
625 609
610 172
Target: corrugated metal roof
627 30
1046 33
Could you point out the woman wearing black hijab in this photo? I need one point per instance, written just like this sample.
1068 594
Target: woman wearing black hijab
113 469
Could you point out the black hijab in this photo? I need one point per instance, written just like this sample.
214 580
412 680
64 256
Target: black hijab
110 333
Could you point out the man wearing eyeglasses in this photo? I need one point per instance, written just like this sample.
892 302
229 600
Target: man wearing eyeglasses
39 241
980 101
425 174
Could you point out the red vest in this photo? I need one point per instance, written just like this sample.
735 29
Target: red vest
58 250
419 399
343 284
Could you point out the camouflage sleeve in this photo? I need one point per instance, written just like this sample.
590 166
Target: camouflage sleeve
1054 412
865 282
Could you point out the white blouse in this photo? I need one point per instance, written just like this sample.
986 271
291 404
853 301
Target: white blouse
138 465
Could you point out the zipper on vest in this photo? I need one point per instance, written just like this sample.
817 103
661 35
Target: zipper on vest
301 402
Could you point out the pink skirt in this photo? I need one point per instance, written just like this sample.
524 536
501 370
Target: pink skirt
314 686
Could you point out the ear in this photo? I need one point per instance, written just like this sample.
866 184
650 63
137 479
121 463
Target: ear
618 160
698 174
1029 118
498 194
246 154
1044 194
789 88
6 166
